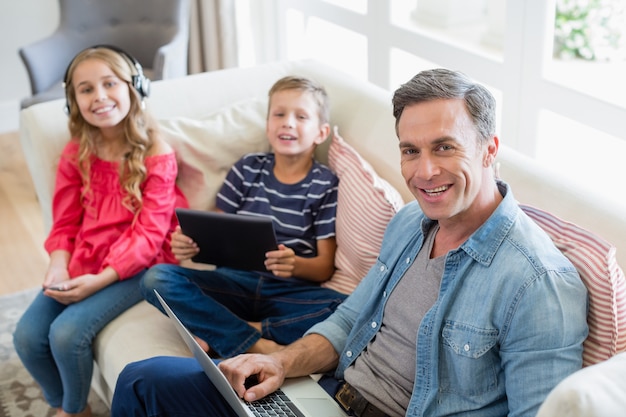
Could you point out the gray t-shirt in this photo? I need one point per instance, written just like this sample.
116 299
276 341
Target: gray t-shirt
385 371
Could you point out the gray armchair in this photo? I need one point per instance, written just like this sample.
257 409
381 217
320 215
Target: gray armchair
155 32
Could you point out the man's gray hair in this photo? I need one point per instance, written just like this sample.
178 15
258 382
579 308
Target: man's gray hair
442 83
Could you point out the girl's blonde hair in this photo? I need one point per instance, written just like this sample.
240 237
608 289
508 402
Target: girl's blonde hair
140 129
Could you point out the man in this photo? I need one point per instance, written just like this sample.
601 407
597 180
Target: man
470 308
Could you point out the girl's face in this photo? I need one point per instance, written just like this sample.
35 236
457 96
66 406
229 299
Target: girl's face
103 99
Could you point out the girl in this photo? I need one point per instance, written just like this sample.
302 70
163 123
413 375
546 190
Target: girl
113 211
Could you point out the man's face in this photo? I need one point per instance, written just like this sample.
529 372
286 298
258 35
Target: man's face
443 161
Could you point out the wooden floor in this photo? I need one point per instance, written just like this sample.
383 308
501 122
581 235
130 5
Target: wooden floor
23 260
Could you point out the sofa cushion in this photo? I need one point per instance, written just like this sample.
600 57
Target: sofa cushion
365 204
596 391
209 146
594 258
138 333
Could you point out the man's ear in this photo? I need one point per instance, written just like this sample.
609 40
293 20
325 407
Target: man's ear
324 131
491 151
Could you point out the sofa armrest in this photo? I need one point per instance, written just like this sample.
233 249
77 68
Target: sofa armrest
43 134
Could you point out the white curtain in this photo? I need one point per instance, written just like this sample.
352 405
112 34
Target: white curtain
213 35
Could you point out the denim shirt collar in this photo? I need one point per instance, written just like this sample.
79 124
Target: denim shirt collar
483 244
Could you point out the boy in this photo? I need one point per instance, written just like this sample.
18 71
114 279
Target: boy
232 311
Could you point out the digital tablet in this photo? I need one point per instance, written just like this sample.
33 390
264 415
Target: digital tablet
232 240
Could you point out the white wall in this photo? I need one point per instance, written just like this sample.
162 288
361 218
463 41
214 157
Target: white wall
21 22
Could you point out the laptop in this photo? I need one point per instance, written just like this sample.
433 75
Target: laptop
225 239
302 397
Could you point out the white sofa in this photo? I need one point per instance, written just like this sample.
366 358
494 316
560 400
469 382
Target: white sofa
363 113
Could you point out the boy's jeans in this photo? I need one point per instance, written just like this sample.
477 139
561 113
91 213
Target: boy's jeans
216 306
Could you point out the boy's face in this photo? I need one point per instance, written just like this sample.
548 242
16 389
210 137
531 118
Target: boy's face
293 124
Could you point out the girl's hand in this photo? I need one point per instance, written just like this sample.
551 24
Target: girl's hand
57 269
281 262
79 288
183 247
73 290
55 276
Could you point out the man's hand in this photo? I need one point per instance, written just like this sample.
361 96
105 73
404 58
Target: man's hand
183 247
267 369
311 354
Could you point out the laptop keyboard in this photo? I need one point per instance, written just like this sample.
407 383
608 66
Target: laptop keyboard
274 405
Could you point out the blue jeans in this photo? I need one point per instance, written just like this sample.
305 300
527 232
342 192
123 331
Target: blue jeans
216 306
171 386
54 341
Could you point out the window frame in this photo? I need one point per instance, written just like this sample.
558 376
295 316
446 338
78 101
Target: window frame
519 73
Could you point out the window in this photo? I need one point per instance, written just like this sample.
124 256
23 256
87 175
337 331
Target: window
326 41
556 67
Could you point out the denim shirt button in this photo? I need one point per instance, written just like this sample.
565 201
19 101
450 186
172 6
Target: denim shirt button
408 260
349 353
466 347
374 324
382 268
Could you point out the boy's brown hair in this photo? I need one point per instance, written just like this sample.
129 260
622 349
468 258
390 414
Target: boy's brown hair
293 82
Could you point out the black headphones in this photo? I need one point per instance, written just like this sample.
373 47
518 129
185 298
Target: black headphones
139 81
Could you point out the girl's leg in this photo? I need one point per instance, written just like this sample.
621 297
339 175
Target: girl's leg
72 333
167 386
214 305
33 347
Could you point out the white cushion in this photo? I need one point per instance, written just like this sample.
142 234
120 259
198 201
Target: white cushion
365 204
595 391
208 147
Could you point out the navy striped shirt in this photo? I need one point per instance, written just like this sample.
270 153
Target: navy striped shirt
302 213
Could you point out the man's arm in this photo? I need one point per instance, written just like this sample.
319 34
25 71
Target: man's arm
544 343
311 354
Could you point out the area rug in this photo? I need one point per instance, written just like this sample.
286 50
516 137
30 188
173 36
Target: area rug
20 396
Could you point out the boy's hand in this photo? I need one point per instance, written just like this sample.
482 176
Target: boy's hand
183 247
281 262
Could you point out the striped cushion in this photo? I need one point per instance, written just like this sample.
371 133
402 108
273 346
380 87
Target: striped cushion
595 261
365 204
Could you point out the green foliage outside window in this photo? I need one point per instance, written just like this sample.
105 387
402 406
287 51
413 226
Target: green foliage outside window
590 30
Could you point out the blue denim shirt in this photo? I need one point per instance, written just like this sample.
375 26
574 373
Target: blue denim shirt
507 326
